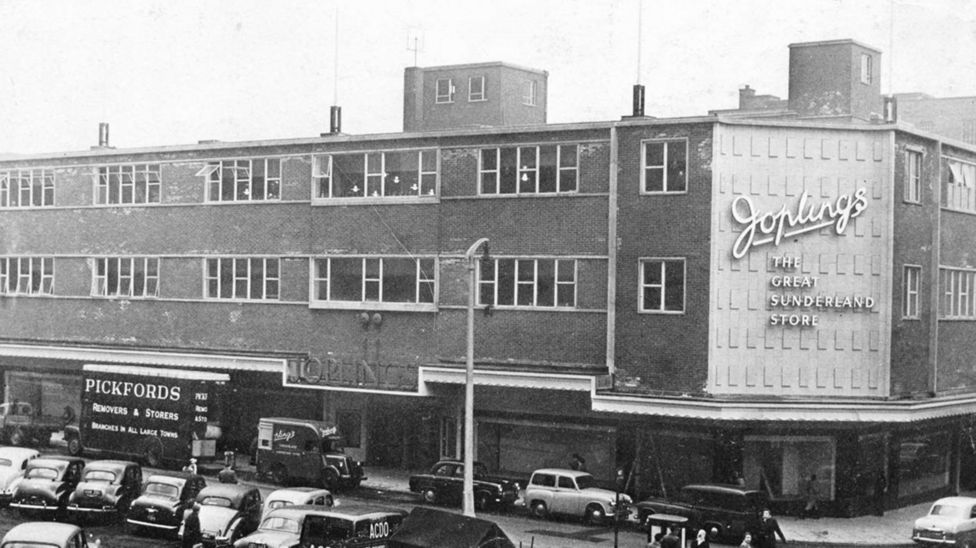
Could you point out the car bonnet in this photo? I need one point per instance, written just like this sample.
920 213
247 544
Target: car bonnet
215 519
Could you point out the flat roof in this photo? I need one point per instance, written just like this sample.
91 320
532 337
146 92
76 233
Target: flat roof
465 66
843 41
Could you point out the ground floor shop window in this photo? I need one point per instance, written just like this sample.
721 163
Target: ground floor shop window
520 448
350 426
782 465
923 463
668 461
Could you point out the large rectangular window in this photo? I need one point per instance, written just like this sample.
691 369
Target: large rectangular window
375 174
444 90
780 465
535 169
26 275
664 167
27 188
913 176
529 93
247 278
867 68
257 179
536 283
662 285
402 280
476 88
910 291
126 277
128 184
959 190
958 293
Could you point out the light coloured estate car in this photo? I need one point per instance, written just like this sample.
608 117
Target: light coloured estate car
951 522
13 462
572 493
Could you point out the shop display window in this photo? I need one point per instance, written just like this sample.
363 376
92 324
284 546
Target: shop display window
782 465
923 463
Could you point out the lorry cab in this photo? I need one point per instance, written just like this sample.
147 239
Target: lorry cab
305 451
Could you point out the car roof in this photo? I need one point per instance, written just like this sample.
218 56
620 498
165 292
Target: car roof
296 493
114 465
722 488
172 477
562 472
351 511
54 461
17 452
232 491
41 531
955 500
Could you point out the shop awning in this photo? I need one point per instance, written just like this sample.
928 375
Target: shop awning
226 362
186 374
510 379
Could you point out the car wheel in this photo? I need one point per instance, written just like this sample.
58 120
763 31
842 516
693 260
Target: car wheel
330 480
74 446
539 510
481 501
594 515
278 474
429 495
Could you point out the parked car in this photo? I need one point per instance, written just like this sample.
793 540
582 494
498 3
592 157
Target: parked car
726 512
295 496
444 484
45 535
163 500
228 512
348 525
950 521
555 491
13 463
47 484
106 487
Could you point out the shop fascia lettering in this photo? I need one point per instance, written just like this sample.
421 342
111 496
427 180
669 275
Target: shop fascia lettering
137 389
770 227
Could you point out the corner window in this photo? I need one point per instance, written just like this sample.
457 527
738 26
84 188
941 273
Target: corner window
128 184
375 174
444 92
534 283
125 277
913 176
662 285
26 276
476 88
529 92
242 278
27 188
359 280
542 169
910 291
664 167
959 190
867 69
257 179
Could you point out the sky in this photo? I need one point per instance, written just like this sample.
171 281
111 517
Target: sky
169 72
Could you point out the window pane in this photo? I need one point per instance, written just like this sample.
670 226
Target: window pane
347 279
652 273
427 278
399 280
402 173
546 283
508 175
257 279
547 169
526 282
506 282
676 167
348 176
675 285
652 298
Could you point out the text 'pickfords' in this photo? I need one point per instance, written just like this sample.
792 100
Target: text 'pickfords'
137 389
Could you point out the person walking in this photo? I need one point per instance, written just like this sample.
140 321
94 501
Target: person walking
880 490
191 467
768 530
812 493
672 539
192 537
746 541
700 540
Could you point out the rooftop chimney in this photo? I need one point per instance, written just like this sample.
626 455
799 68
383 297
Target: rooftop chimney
638 100
746 96
890 108
335 120
103 134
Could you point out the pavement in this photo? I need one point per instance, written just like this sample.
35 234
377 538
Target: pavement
891 530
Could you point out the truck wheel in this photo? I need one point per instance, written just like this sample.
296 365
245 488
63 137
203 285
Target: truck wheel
330 480
594 515
429 495
74 446
152 453
278 474
17 436
481 501
539 509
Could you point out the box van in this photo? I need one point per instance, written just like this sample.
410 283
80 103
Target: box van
724 511
306 452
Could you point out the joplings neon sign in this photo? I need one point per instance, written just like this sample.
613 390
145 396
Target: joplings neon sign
769 227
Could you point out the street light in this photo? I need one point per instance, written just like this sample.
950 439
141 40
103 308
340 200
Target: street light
468 492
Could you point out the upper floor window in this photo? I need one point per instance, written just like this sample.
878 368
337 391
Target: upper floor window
243 180
126 277
662 285
543 283
128 184
444 92
532 169
251 278
476 88
664 166
529 92
913 176
910 291
27 188
405 280
376 174
867 68
958 289
26 275
959 190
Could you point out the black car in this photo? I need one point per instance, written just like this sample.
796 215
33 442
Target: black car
47 484
444 484
163 500
726 512
106 487
228 511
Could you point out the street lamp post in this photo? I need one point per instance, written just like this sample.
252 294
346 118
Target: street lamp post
468 492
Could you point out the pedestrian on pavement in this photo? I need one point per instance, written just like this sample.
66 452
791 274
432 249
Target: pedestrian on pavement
700 540
192 537
672 539
577 463
191 467
768 530
880 490
227 474
812 494
746 541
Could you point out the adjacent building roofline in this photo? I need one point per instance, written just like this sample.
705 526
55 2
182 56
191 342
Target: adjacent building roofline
487 64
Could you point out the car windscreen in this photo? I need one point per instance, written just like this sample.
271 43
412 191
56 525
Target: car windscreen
42 473
585 482
949 510
217 501
162 490
282 525
99 475
272 504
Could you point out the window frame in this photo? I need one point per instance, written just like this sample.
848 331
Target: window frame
322 180
138 174
14 194
447 97
213 174
867 68
530 93
479 97
663 167
560 170
957 293
913 176
12 272
100 282
234 278
959 193
911 283
368 281
520 283
641 286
